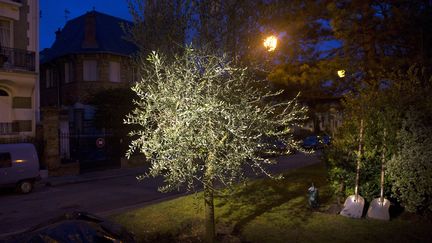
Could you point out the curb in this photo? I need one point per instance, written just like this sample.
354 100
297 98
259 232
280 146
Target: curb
78 180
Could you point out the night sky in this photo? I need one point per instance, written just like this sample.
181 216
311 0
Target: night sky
53 14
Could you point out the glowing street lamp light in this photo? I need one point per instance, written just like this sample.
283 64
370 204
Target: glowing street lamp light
270 43
341 73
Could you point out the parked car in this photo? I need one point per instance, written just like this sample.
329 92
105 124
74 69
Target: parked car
316 142
74 227
19 166
325 139
310 142
271 147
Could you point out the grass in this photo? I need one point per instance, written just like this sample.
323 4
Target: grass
266 210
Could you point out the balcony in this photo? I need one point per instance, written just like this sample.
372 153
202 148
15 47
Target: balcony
17 59
7 128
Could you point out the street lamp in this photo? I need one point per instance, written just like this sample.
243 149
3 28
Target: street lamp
341 73
270 43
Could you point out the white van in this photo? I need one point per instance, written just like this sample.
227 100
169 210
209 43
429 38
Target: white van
19 166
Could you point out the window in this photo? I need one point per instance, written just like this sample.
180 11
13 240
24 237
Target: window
22 103
3 93
114 72
5 110
90 70
135 75
49 78
5 33
67 70
5 160
22 126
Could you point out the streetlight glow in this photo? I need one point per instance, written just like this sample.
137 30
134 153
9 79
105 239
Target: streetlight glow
341 73
270 43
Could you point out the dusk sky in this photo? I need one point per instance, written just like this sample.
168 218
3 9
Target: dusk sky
53 14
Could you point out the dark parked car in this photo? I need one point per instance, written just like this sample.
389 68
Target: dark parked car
310 142
316 142
272 147
74 227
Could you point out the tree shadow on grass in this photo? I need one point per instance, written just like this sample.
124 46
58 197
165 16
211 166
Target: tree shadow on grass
245 203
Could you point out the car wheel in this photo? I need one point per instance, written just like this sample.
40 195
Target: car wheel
25 187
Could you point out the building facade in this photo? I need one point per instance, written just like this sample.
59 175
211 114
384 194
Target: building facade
90 54
19 65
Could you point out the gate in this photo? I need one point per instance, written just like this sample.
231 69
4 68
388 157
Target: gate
96 151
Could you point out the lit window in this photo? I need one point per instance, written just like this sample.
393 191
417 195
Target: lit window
90 70
114 72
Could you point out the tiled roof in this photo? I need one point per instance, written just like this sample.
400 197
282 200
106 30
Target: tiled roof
110 37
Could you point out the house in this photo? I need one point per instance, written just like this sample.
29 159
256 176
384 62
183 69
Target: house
325 116
19 65
90 54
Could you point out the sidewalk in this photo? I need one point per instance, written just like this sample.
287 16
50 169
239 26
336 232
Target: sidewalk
296 161
93 176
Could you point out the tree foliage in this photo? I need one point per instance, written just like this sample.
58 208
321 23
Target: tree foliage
365 38
200 111
383 108
200 120
159 24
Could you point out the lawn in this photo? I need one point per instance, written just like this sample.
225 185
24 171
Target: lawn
266 210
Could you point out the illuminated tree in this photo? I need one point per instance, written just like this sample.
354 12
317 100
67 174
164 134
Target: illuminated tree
201 122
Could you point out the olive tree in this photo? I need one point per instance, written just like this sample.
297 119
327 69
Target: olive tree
201 120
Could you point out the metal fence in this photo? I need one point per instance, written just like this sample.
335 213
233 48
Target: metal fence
6 128
92 150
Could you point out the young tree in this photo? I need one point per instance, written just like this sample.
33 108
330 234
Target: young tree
201 122
382 109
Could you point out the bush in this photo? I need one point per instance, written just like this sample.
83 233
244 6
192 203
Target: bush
410 169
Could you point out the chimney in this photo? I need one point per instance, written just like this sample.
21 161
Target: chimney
58 33
90 31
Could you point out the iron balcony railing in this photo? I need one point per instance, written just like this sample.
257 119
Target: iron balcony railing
12 58
7 128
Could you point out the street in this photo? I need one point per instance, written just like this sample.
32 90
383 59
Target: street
100 197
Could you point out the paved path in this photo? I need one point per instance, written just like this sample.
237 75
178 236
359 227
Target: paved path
101 193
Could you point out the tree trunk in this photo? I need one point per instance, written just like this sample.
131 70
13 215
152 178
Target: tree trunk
209 210
359 158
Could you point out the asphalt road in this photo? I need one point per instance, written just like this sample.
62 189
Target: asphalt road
101 197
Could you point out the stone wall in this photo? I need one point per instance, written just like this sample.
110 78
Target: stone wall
51 156
50 120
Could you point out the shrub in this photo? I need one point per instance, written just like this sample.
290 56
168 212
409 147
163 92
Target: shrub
410 169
